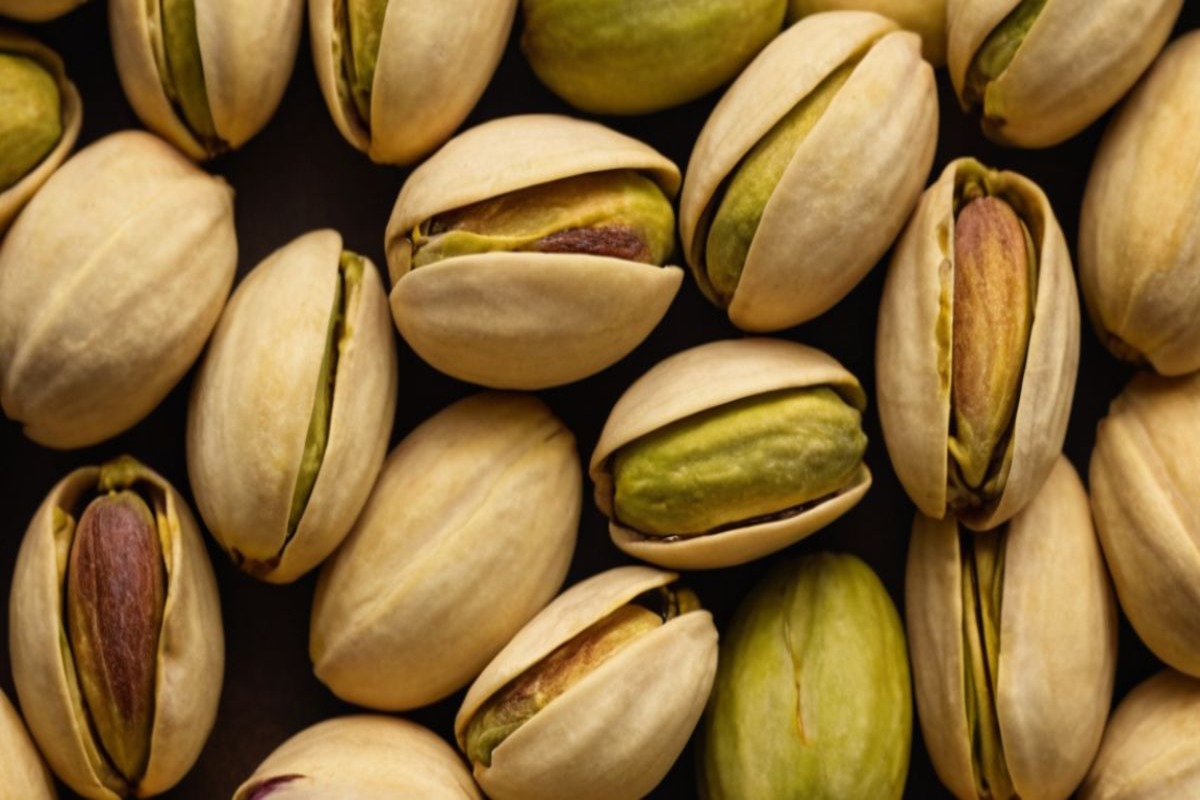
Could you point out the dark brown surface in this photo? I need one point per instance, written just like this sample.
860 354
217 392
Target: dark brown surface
298 175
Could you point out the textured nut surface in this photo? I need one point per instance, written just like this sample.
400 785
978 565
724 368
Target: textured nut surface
32 122
924 17
21 770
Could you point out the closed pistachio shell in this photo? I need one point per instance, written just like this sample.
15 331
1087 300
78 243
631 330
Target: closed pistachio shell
37 10
21 770
924 17
1145 480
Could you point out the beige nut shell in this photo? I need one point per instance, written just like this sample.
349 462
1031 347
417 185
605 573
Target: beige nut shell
14 198
700 379
924 17
37 10
1058 643
21 769
479 504
1139 245
252 402
1075 63
1145 481
436 57
913 349
851 183
110 282
615 734
363 757
523 320
191 654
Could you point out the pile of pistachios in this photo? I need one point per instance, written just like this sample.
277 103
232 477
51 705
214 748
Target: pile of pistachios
232 433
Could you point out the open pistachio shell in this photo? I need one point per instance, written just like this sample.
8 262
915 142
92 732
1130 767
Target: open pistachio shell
523 320
279 476
37 10
1040 71
21 770
914 357
848 186
614 733
700 380
1013 635
1145 484
191 653
924 17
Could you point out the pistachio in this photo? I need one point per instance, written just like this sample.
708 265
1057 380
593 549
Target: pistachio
998 50
182 71
32 121
21 770
925 17
37 10
364 21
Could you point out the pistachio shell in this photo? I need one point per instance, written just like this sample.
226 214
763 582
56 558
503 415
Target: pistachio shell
705 378
1145 481
924 17
21 770
37 10
615 733
1074 63
1138 247
361 757
191 650
480 502
844 194
1054 675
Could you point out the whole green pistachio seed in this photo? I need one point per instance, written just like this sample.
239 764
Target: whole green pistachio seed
364 23
183 71
31 120
998 50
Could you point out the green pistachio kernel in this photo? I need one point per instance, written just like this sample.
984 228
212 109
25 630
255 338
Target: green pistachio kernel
363 21
998 50
182 71
31 120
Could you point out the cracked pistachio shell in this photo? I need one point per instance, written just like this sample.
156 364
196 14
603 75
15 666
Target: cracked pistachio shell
361 757
613 734
21 769
1151 748
191 651
434 61
37 10
250 439
1056 66
926 18
479 502
110 282
1053 671
698 380
14 198
847 188
519 320
1145 482
1139 250
914 348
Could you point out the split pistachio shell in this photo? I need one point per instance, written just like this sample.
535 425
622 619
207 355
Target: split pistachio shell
918 340
924 17
206 75
1151 748
523 320
292 409
37 10
1138 248
110 282
361 757
615 732
703 381
814 158
21 770
1145 482
190 658
1013 697
425 66
1040 71
480 502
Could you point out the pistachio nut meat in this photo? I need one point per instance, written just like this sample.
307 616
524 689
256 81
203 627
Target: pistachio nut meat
1037 72
1151 747
633 57
528 252
596 697
206 75
37 10
361 756
40 122
292 408
115 632
812 696
473 522
399 76
729 451
927 18
807 168
22 771
1013 634
1145 486
977 346
1138 251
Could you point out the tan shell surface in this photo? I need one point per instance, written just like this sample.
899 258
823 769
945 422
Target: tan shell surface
913 357
37 10
191 653
252 402
21 770
480 502
1145 482
363 758
110 283
1139 245
927 18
